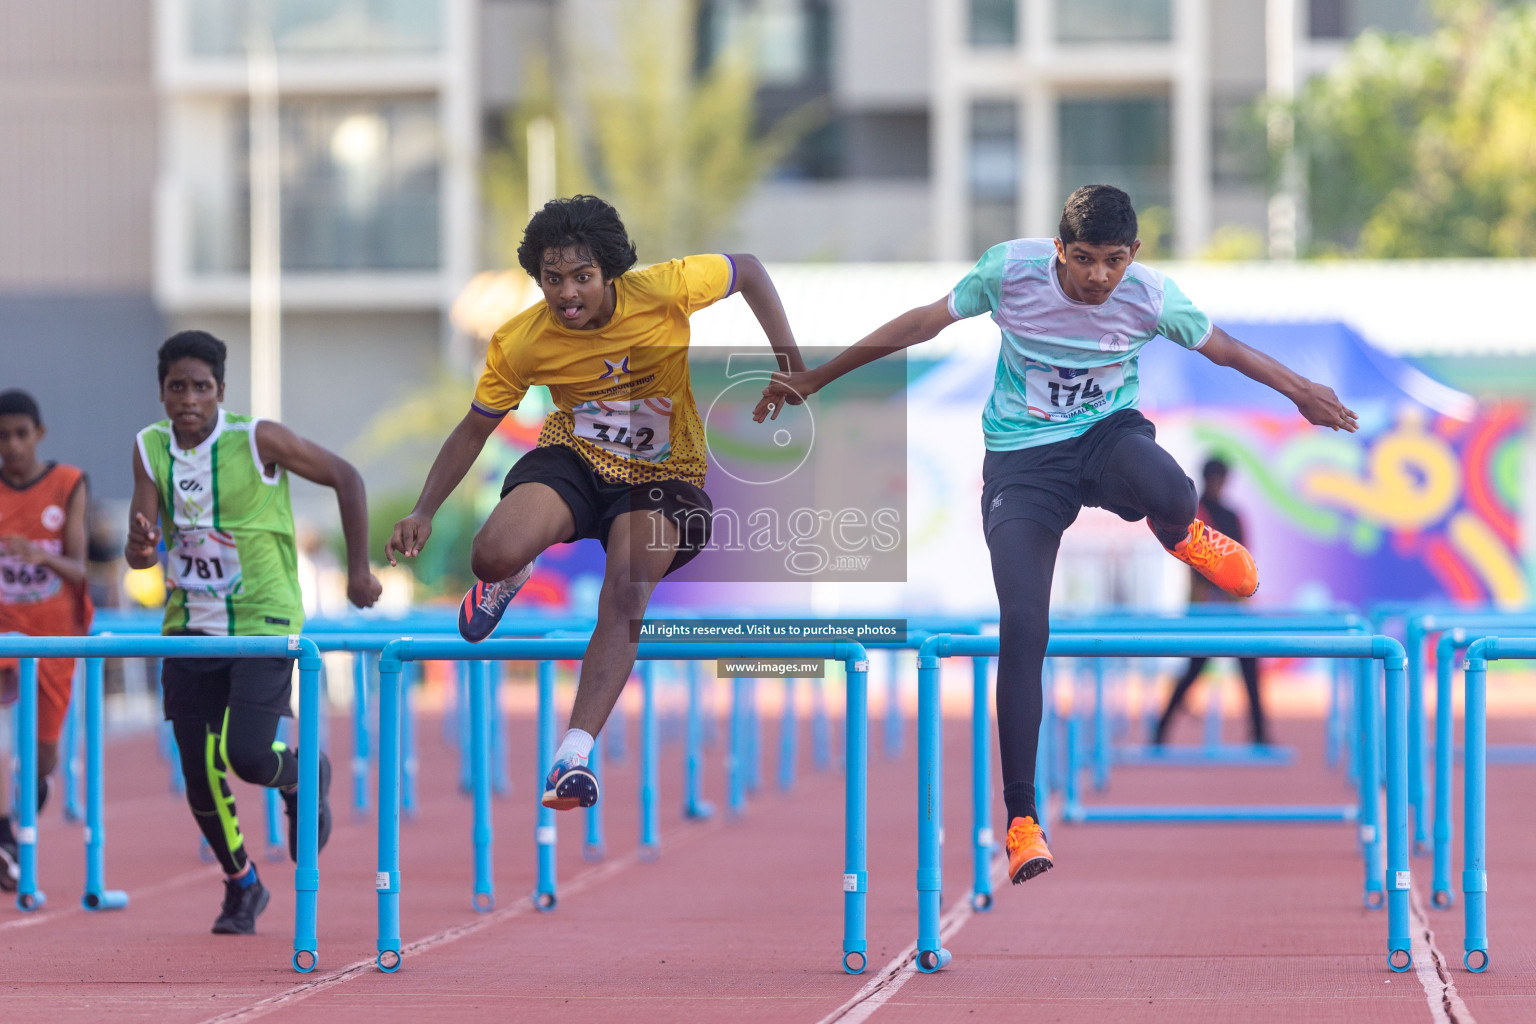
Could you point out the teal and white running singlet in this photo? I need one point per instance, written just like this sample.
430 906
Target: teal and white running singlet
1065 365
231 561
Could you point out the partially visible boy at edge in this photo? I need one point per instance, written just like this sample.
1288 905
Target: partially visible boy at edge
43 590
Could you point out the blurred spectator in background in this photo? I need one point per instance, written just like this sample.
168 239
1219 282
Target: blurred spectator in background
1217 514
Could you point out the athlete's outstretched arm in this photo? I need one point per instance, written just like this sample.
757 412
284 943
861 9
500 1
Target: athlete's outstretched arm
913 327
277 445
1315 401
143 515
453 461
754 284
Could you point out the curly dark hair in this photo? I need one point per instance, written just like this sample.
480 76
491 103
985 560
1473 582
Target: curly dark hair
193 345
586 223
1098 215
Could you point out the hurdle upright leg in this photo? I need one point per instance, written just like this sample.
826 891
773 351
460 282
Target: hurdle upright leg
695 807
480 782
930 815
1474 875
28 896
981 783
856 825
1370 783
1445 739
650 759
360 741
544 831
97 896
789 730
306 875
69 758
387 879
1398 882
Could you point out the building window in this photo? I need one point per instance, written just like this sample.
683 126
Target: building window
994 173
1114 21
1326 19
360 189
320 27
1344 19
994 22
1123 142
792 39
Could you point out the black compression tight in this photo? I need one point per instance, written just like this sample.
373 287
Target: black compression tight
243 742
1138 475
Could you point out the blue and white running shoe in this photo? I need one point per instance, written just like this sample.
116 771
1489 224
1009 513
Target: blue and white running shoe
485 603
570 784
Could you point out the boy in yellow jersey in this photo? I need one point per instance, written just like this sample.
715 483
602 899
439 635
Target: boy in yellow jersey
621 457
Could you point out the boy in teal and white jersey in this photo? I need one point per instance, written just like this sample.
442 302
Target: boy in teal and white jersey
217 485
1063 431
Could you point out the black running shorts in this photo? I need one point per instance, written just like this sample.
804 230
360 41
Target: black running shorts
1050 483
595 503
202 688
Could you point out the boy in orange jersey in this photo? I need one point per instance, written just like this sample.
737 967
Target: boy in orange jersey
42 586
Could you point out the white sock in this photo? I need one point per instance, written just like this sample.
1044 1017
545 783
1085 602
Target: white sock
578 743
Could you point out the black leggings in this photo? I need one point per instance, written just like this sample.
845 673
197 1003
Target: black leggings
1138 475
244 741
1250 668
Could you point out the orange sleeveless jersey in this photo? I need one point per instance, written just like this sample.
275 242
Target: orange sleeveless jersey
33 599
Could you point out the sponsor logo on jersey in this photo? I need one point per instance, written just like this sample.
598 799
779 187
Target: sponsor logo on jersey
1114 341
53 517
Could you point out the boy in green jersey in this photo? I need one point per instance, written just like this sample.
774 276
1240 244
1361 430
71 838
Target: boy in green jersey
217 485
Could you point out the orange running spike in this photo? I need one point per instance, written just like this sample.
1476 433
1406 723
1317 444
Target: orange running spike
1027 853
1218 558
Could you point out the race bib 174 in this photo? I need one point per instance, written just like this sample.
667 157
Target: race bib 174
1061 392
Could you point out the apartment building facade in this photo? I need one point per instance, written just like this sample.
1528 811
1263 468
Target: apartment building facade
126 168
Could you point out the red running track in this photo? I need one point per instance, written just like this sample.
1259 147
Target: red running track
742 920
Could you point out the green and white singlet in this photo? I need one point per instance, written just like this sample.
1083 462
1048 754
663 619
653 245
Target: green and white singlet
231 561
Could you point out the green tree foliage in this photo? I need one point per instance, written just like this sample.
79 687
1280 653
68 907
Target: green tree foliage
677 150
1425 146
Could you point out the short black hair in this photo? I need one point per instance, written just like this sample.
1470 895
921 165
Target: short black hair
17 402
1214 466
1098 215
586 222
193 345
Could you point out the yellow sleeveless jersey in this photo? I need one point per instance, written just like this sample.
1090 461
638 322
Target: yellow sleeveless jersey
622 394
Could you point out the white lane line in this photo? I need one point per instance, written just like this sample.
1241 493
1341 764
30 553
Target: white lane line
1445 1005
885 984
586 880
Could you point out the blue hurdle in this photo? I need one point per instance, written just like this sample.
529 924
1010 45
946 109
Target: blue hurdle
397 653
1417 627
695 807
1474 876
69 757
28 649
932 956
